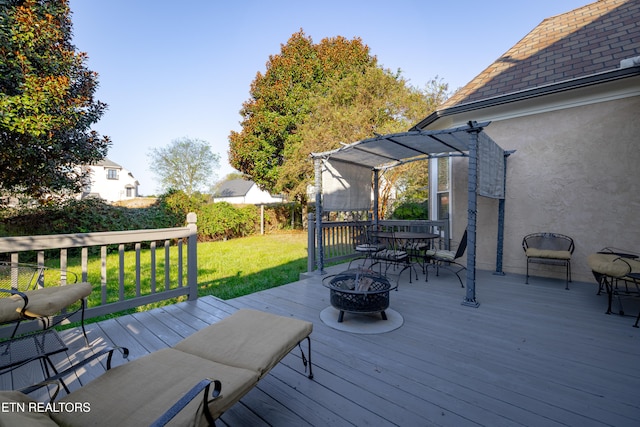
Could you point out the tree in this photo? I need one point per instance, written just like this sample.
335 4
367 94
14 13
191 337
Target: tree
46 101
186 164
314 97
282 99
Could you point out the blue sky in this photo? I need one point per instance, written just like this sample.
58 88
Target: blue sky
169 70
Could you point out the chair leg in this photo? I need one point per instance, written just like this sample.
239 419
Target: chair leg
526 280
306 361
84 331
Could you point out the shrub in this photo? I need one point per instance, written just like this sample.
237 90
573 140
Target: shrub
216 221
83 216
411 210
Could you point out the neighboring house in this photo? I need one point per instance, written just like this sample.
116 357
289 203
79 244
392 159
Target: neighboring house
566 98
110 182
241 191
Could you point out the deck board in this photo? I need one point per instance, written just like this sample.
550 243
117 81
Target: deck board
532 354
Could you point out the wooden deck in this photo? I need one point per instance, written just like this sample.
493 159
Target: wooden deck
533 355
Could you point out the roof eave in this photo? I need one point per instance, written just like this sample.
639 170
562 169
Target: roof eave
591 80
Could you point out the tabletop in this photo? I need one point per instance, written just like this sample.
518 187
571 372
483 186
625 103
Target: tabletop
407 235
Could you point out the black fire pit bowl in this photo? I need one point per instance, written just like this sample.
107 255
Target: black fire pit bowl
359 291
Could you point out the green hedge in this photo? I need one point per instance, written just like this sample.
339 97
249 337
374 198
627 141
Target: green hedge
216 221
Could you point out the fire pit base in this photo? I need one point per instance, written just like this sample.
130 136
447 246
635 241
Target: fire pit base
359 291
361 323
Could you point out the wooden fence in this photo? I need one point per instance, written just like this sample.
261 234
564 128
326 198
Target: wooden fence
340 238
168 270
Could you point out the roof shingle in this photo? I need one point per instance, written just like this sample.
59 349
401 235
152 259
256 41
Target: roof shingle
585 41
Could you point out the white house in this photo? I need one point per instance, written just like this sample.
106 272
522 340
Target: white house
111 182
241 191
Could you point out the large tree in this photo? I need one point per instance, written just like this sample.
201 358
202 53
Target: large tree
311 98
46 101
186 164
283 98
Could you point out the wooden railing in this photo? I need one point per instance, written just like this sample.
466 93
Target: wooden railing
167 273
340 238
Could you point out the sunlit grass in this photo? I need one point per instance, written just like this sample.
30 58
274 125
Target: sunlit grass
242 266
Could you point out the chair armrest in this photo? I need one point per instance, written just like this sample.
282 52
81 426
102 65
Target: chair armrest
107 350
11 306
15 292
188 397
43 384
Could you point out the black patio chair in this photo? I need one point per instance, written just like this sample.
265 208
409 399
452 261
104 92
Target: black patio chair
392 256
549 248
24 296
367 244
447 259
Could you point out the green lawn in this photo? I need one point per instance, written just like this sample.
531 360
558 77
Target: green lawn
242 266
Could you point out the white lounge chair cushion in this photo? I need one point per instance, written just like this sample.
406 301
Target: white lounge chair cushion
249 339
15 416
128 394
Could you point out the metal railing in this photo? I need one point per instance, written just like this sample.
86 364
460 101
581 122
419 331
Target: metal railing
340 238
128 268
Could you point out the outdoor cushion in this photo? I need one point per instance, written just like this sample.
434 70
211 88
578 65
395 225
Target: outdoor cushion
369 247
10 308
442 254
635 265
236 351
14 402
609 264
242 340
46 302
127 394
391 254
416 246
547 253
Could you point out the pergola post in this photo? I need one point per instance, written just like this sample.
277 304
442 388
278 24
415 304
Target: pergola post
376 199
317 163
501 203
472 210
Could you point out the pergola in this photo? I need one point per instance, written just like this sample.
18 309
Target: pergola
343 178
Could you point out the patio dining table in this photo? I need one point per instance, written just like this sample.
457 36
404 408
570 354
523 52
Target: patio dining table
412 241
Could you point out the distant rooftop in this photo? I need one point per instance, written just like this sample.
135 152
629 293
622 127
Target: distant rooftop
108 163
234 188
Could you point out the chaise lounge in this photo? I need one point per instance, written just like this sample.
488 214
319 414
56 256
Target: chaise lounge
232 355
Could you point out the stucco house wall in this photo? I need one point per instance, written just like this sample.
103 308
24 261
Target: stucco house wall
566 98
575 171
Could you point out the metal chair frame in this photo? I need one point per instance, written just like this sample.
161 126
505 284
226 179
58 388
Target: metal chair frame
17 278
445 262
549 241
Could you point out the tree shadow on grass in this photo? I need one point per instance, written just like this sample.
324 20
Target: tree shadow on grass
243 284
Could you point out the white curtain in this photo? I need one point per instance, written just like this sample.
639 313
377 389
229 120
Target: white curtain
345 187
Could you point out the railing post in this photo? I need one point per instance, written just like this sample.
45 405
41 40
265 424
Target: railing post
192 256
311 242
